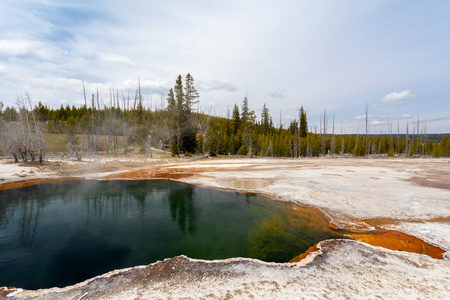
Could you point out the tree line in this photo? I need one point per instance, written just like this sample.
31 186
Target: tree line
122 124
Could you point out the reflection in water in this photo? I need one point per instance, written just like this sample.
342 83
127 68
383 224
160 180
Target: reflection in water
27 219
29 223
182 208
60 233
247 198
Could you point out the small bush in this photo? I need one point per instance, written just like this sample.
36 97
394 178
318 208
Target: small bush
242 150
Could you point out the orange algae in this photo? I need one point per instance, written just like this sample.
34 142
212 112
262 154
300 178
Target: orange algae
440 220
26 183
300 257
396 240
389 239
146 174
390 221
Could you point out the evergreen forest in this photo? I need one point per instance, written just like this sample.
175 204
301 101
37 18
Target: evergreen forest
123 124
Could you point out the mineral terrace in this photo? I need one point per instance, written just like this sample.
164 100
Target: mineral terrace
407 195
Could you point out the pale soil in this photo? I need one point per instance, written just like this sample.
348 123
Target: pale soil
342 269
347 190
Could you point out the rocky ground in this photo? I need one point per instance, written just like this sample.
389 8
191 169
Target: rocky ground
407 195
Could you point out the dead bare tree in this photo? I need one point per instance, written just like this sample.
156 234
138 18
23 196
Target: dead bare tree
324 132
37 132
10 138
367 129
148 144
425 137
22 119
407 140
398 136
333 141
270 149
124 122
357 137
23 138
99 122
73 144
85 136
391 144
92 133
417 148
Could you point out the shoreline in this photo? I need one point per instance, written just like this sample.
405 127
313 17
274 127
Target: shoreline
305 182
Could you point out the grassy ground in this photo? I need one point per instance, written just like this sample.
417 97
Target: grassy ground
55 143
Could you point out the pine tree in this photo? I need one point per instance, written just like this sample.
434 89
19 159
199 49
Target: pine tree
303 123
360 147
293 127
445 146
179 114
191 94
171 104
236 120
179 98
245 111
171 119
248 119
184 134
265 120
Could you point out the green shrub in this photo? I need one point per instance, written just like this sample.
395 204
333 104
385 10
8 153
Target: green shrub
436 152
242 150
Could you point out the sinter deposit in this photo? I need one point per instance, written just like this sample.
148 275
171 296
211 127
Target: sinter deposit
412 193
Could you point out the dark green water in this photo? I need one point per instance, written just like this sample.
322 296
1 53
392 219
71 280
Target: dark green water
58 234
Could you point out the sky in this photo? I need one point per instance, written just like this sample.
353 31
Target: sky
332 56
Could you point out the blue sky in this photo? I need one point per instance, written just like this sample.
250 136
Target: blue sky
324 55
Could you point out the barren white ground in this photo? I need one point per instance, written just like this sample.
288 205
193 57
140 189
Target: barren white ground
347 190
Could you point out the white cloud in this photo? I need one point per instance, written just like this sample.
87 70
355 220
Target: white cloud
30 49
375 122
278 94
398 98
230 53
154 85
114 58
17 47
361 117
